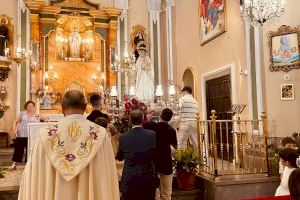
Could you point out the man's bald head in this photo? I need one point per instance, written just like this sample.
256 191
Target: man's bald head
136 117
75 100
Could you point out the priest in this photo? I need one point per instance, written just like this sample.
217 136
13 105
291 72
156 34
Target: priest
71 160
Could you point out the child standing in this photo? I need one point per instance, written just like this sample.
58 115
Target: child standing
287 143
288 158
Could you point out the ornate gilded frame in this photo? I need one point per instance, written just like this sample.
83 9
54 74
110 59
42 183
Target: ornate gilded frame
283 30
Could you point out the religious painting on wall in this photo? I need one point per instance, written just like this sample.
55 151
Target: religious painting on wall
287 92
212 19
284 49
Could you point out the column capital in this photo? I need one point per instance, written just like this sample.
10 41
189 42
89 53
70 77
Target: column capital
154 5
154 8
123 5
171 2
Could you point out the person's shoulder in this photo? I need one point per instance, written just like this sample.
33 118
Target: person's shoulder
149 132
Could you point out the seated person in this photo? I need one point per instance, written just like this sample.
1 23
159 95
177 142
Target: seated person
294 184
288 157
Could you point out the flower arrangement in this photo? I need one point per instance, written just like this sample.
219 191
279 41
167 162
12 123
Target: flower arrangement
39 92
121 122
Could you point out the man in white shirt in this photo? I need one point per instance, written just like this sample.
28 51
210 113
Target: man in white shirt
71 159
188 119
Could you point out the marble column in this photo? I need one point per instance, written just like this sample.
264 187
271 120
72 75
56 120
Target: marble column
122 41
169 5
154 8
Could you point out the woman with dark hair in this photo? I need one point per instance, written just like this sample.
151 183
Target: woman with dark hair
20 130
294 184
288 158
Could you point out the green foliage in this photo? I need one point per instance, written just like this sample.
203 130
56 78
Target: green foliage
2 172
186 160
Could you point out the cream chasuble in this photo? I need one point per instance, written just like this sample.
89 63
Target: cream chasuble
71 160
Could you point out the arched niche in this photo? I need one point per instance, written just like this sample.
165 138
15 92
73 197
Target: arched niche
188 78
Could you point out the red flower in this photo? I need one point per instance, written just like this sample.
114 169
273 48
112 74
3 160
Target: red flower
142 104
123 120
127 106
127 112
135 102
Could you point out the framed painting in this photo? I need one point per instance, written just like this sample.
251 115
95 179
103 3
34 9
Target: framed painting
287 92
212 19
284 49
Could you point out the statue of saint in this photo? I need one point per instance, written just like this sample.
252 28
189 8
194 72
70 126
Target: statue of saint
144 75
4 36
75 42
47 100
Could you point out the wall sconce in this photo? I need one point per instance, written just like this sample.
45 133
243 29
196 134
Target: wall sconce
244 72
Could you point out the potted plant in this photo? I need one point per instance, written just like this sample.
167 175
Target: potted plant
186 165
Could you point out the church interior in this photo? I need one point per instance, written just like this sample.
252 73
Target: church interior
240 57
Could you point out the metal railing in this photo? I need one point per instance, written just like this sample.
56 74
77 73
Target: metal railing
233 147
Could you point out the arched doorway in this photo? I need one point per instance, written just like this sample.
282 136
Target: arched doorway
188 79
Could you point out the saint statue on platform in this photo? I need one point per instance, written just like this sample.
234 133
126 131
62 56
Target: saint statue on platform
144 75
75 42
4 36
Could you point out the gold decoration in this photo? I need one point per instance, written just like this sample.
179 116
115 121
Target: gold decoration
74 4
74 131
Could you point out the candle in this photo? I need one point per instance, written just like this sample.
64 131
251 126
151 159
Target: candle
38 106
46 75
113 92
132 91
172 90
55 76
94 77
159 91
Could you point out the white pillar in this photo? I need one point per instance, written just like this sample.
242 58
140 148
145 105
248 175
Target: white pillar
154 8
169 5
18 96
258 35
119 81
249 69
28 78
122 4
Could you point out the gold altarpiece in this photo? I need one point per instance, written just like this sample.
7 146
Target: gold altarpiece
70 40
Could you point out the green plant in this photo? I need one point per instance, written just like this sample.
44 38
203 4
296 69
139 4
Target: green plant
2 172
186 160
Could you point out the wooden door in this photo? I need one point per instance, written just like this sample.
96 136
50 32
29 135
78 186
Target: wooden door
218 98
